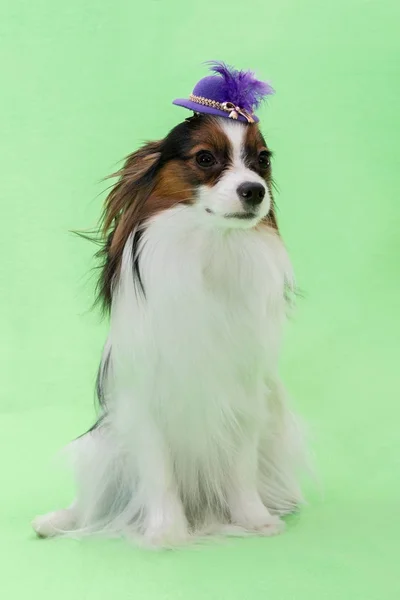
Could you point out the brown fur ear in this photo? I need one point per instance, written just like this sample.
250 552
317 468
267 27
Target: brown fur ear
131 179
123 210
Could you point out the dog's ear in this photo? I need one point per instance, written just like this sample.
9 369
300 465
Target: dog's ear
134 184
123 212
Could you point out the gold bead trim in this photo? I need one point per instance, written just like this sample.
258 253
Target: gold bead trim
233 110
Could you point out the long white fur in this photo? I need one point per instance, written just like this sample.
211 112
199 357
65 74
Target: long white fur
198 434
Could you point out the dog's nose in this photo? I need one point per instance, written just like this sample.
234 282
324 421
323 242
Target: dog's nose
251 194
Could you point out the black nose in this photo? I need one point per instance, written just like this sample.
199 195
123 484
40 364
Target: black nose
251 194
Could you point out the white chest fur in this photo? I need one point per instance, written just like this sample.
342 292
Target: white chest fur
199 348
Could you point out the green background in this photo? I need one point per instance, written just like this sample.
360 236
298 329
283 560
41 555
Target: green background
83 82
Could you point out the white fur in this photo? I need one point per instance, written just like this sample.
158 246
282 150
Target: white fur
198 437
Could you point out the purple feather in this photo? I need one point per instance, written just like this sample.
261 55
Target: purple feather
241 87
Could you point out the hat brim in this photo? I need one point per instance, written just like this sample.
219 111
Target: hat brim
208 110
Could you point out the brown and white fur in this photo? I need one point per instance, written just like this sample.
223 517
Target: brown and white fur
195 435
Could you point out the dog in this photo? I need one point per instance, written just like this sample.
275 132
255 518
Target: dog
195 435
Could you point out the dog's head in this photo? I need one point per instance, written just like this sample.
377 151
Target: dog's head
219 168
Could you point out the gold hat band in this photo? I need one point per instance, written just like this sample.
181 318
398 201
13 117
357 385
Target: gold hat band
234 111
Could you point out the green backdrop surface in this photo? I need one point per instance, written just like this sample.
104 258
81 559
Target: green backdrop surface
83 83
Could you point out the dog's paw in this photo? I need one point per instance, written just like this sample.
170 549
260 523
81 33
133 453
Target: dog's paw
166 537
273 526
249 513
166 525
269 526
54 523
166 533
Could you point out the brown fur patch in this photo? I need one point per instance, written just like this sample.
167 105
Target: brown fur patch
174 185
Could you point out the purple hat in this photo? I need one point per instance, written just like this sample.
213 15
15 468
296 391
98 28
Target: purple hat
228 93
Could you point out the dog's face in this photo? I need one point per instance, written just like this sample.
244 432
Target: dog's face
215 166
220 166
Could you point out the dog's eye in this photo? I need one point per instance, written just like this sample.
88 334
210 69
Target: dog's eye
205 159
264 159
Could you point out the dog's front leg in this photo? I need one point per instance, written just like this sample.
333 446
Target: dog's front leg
246 507
165 523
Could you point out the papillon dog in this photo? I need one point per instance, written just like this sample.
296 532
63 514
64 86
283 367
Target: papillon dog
194 435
